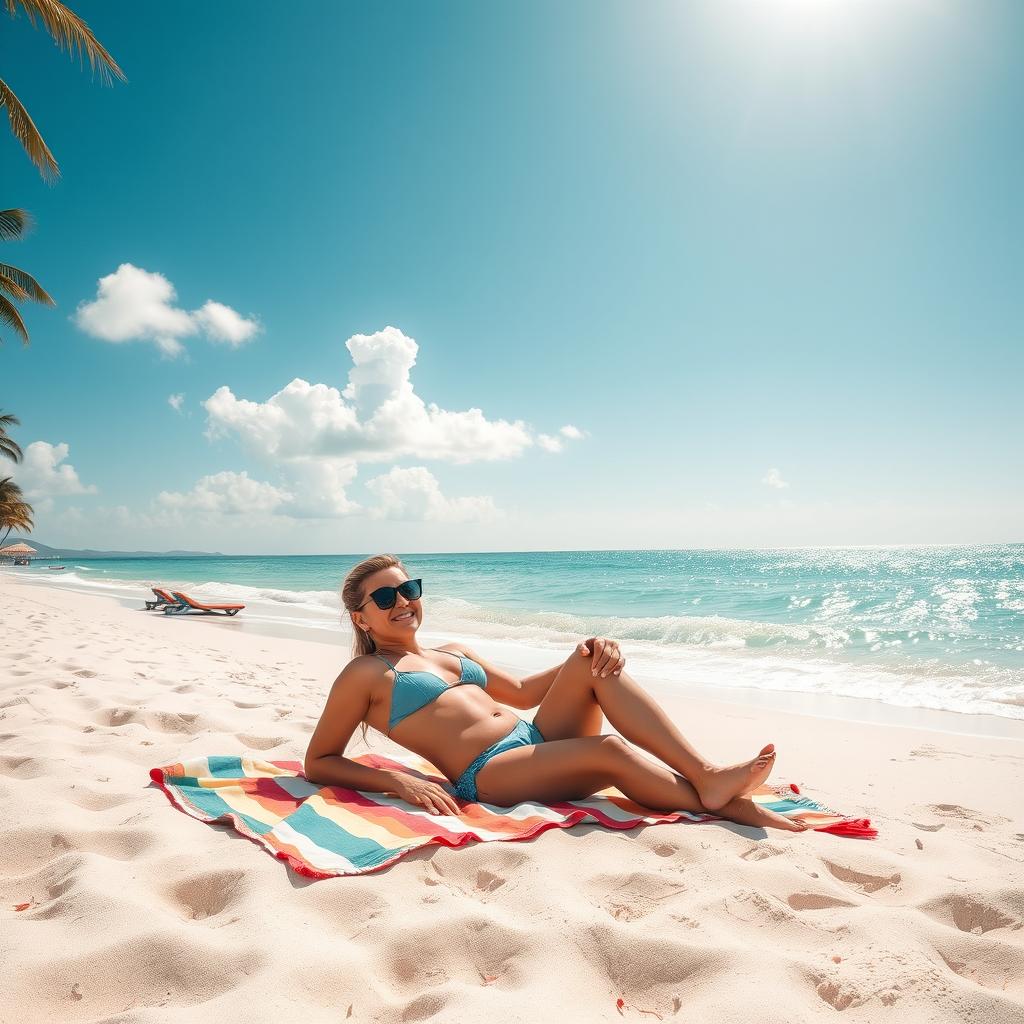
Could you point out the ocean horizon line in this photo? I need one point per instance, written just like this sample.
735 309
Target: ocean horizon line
531 551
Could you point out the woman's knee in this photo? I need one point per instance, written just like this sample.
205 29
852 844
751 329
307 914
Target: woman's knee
613 751
581 666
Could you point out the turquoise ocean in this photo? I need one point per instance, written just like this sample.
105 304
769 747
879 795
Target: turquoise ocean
931 627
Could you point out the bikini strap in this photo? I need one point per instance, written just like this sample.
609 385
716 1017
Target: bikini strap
438 649
386 662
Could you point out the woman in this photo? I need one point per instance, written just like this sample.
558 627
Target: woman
484 748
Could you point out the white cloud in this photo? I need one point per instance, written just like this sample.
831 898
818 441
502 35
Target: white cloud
222 323
378 417
774 479
316 435
319 487
133 304
414 494
175 402
556 442
301 420
43 473
226 493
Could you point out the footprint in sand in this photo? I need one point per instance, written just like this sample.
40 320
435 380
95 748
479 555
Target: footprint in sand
990 965
862 881
202 895
31 848
965 816
761 851
815 901
260 742
975 916
151 965
23 767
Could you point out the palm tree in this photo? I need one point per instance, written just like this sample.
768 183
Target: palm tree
15 512
15 284
8 446
70 33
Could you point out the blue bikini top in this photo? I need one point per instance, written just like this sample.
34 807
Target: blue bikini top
414 690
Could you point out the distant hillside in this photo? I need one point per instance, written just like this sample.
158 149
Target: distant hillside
48 552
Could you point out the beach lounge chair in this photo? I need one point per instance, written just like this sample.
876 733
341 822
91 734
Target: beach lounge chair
184 603
162 598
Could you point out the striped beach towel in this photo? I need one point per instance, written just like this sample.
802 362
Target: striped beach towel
327 831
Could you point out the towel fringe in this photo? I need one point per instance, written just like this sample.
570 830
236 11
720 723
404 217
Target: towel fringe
851 828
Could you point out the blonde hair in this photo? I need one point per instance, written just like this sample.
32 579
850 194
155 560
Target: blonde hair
352 597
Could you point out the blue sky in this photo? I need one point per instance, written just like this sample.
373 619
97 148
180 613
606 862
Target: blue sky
763 256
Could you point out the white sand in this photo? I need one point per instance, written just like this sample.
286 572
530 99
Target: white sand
140 913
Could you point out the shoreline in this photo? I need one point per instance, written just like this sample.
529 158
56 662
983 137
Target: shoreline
524 658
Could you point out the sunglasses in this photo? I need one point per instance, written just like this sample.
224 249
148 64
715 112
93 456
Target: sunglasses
385 597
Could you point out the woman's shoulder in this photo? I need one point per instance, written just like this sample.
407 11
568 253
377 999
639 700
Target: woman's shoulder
362 668
455 648
463 650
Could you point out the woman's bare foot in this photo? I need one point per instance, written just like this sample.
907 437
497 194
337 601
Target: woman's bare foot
744 811
719 785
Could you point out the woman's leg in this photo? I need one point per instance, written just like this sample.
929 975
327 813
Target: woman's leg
573 701
574 769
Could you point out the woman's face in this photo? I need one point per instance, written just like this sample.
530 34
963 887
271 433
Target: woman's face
395 623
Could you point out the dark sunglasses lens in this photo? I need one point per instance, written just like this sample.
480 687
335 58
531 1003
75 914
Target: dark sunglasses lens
384 597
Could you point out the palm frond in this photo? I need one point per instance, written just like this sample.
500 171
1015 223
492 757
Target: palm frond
27 283
16 516
13 224
10 316
9 491
9 448
12 288
26 132
69 32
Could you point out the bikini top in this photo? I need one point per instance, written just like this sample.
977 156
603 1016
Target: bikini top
414 690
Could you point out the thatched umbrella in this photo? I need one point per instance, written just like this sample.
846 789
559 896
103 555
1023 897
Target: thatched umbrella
17 549
19 552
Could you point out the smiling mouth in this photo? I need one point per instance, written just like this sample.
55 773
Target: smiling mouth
404 616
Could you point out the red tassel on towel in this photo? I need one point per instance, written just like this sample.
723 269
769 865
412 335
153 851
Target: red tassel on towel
853 828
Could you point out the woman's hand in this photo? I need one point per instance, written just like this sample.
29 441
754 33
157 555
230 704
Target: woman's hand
424 794
608 659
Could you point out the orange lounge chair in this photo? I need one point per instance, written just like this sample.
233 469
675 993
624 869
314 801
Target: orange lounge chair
162 598
184 603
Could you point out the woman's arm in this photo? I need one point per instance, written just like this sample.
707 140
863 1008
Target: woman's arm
607 661
530 691
534 688
346 707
